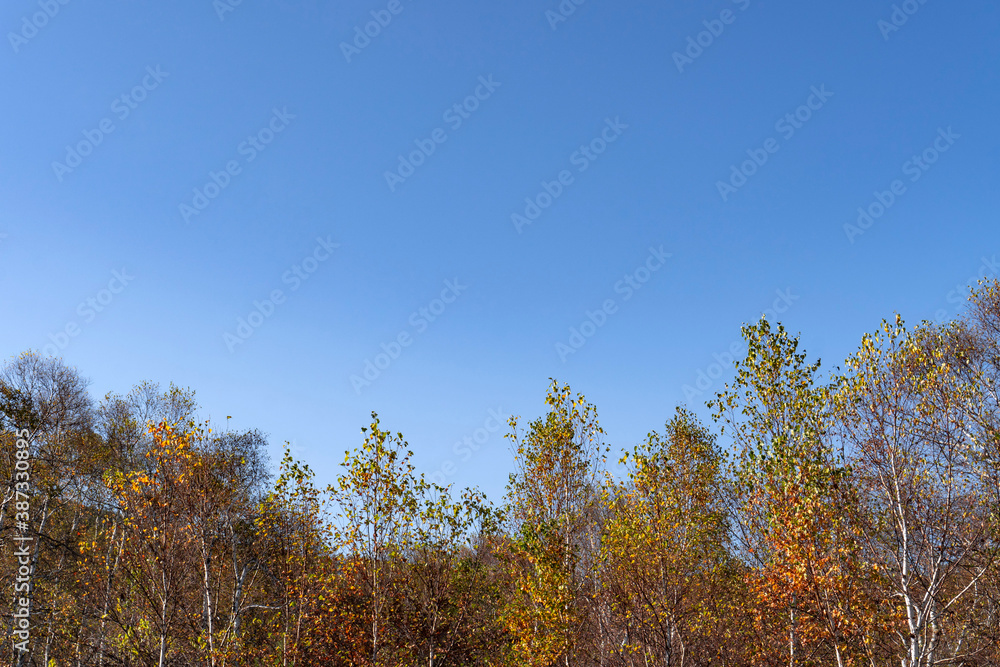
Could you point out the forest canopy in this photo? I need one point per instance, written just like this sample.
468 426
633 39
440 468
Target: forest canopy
851 521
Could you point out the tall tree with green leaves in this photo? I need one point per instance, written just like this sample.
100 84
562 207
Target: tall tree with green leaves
377 496
553 499
791 518
664 552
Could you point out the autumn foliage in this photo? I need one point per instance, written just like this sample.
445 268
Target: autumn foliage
844 517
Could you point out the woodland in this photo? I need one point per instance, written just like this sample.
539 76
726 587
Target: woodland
842 516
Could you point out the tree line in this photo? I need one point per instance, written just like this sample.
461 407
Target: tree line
849 520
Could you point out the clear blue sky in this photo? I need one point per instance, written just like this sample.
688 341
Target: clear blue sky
199 81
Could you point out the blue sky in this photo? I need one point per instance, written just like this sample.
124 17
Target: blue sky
208 86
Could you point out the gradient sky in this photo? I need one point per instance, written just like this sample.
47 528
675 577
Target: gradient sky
224 73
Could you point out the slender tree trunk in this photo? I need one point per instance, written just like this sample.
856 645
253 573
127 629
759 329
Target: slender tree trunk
107 594
163 650
791 632
50 635
206 559
163 621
